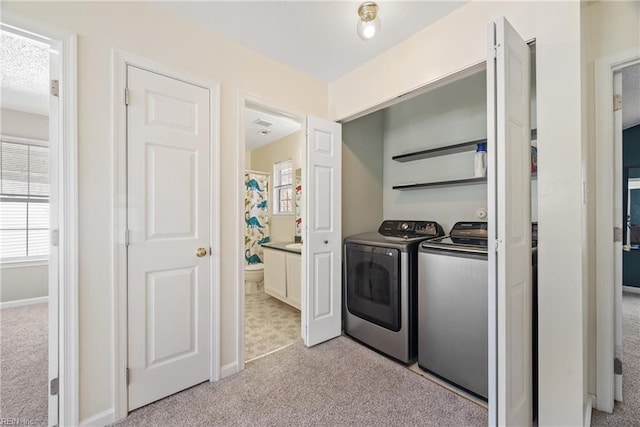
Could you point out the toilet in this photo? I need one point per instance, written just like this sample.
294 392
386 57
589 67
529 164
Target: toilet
253 278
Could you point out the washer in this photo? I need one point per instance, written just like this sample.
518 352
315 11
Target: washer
453 307
380 286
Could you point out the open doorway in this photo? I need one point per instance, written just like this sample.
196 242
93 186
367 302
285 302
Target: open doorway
25 193
616 126
61 237
272 238
627 301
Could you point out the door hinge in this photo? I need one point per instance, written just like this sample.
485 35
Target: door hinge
126 96
210 250
128 377
617 234
55 386
55 237
55 87
126 237
495 50
617 102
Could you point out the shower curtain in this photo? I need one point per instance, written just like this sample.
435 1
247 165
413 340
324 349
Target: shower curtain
256 216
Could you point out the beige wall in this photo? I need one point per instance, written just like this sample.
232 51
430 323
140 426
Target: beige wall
456 42
24 282
144 29
362 175
262 159
608 27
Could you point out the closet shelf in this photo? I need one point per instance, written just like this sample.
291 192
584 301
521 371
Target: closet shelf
448 183
440 151
447 149
453 182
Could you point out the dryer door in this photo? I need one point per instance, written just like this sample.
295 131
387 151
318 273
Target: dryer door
373 284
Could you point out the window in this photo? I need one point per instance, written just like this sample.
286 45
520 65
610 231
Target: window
24 200
282 187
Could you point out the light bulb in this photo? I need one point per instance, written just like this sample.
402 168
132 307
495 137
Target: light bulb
368 29
369 23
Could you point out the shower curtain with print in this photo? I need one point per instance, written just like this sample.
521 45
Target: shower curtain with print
256 216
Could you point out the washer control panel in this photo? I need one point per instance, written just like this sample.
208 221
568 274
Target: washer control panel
410 229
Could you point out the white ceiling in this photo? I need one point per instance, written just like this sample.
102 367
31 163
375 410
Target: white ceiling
631 96
262 128
25 74
316 37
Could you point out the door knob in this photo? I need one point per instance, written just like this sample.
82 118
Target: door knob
201 252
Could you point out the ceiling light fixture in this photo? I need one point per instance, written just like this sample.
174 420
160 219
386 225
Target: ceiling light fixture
369 22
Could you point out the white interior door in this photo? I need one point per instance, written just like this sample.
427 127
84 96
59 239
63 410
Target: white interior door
509 186
168 135
617 244
54 256
322 300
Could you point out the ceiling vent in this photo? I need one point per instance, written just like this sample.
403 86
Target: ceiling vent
263 122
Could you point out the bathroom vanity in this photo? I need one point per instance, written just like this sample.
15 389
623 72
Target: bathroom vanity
283 272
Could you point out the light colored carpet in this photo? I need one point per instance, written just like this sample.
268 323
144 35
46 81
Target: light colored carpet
24 363
335 383
627 413
269 324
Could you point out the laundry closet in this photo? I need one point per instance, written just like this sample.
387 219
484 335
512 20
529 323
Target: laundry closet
411 162
392 166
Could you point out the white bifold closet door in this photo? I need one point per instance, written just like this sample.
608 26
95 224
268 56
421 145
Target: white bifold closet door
509 201
322 293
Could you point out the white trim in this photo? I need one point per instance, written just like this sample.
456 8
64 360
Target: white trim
24 263
605 269
26 141
23 302
268 174
215 231
631 289
102 419
120 61
244 99
229 369
588 409
68 356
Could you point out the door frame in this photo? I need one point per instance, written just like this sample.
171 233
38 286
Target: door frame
67 176
120 61
244 98
605 266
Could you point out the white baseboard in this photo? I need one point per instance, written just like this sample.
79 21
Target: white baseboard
23 302
102 419
631 289
588 409
228 370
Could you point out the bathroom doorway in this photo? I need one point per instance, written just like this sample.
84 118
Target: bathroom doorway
272 241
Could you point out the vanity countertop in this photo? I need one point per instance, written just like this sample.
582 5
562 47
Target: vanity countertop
282 246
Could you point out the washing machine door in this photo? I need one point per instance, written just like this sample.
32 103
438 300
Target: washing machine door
373 284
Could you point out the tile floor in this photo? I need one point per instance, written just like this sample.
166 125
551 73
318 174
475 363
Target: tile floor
269 324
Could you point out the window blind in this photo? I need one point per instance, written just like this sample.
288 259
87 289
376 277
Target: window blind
24 200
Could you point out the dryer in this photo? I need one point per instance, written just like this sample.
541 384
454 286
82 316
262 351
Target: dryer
381 286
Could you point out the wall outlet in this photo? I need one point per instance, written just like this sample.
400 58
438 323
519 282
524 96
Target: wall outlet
481 213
